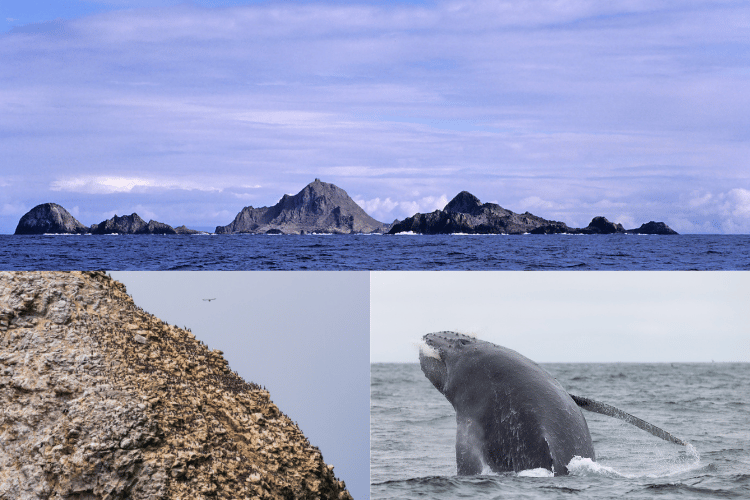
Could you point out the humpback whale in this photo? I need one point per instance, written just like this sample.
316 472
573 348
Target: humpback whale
511 415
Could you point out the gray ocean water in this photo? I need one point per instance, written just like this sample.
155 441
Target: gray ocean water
706 404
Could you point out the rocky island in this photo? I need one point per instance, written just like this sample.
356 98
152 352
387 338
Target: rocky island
323 208
99 399
319 208
51 218
466 214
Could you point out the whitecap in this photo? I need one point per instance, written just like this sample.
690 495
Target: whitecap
586 467
540 472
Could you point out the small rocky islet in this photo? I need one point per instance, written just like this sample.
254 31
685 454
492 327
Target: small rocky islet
324 208
101 400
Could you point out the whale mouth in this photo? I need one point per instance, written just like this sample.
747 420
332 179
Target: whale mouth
427 351
433 365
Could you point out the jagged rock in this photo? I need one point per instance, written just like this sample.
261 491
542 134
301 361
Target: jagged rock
464 202
319 208
52 218
466 214
652 228
49 218
99 399
131 224
600 225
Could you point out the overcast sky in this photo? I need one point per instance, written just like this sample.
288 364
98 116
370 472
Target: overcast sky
187 112
302 335
567 317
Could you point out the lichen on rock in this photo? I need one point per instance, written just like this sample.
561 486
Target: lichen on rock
99 399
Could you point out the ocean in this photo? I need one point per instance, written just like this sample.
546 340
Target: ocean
413 431
375 252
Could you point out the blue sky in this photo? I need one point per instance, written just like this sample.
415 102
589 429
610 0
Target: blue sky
187 112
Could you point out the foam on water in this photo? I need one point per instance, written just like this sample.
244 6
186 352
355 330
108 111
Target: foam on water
586 467
679 464
540 472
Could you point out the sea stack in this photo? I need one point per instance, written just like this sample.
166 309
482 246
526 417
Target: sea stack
319 208
102 400
49 218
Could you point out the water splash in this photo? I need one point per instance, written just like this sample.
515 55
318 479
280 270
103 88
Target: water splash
586 467
540 472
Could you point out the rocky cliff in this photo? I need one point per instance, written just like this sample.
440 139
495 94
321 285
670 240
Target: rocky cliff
319 208
99 399
49 218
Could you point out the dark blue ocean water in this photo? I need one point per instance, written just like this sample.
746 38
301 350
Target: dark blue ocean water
413 433
352 252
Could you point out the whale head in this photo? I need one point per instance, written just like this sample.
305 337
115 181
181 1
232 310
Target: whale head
437 351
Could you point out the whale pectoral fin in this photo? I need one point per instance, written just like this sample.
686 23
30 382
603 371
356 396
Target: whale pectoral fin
611 411
469 452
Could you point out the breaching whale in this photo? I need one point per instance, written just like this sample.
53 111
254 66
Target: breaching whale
511 414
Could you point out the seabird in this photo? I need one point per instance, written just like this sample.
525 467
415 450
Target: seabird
209 300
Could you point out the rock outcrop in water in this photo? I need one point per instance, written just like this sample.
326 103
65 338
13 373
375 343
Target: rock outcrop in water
466 214
600 225
319 208
652 228
99 399
325 208
49 218
131 224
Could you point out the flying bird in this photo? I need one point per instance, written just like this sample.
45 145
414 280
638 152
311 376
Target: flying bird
209 300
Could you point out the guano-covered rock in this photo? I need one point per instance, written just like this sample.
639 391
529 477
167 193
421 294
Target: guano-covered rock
101 400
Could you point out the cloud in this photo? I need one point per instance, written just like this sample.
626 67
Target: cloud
14 210
114 184
728 212
387 210
544 106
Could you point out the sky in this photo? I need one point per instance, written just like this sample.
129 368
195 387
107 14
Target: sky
564 317
187 112
302 335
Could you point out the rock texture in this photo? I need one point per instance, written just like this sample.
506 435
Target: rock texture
319 208
466 214
131 224
101 400
49 218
